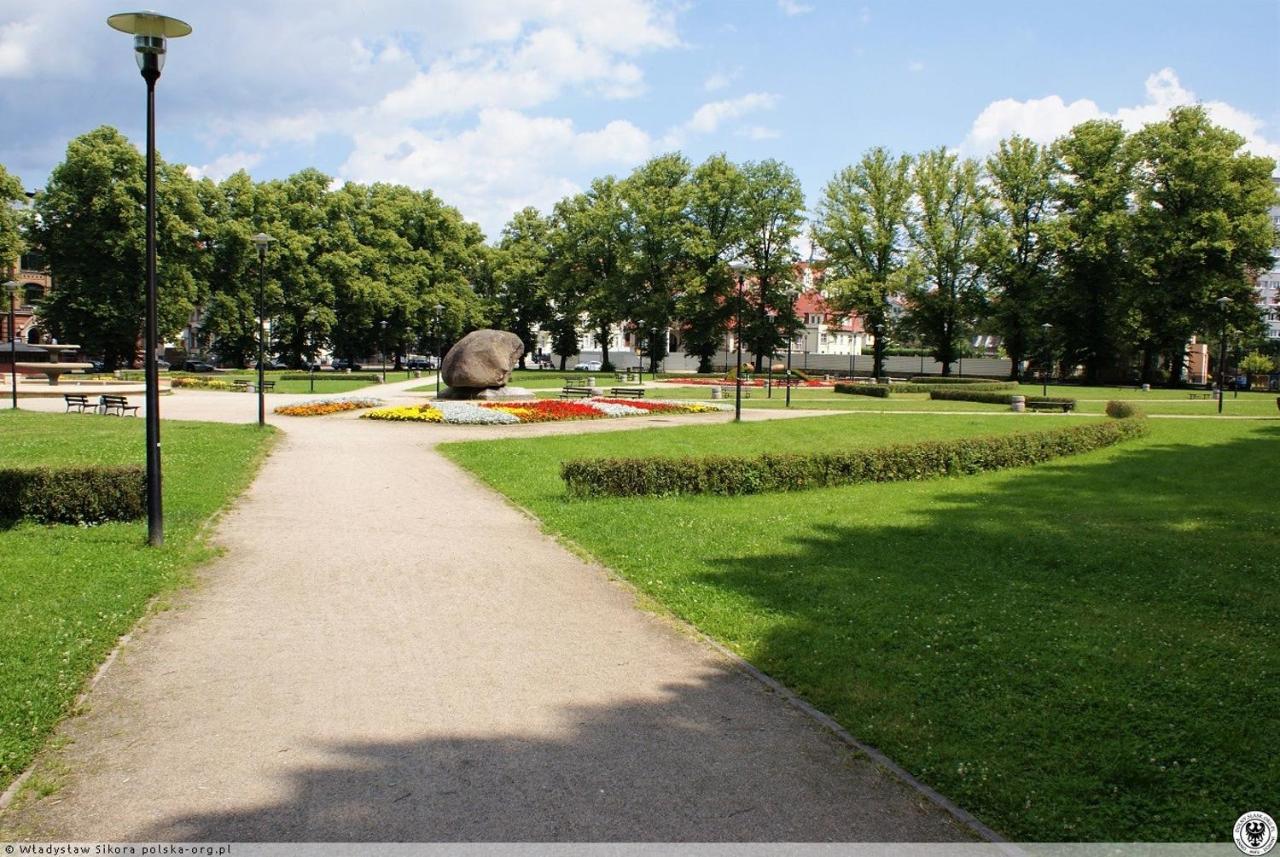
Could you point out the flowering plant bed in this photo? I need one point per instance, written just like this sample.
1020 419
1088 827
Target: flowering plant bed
539 411
199 383
754 382
320 407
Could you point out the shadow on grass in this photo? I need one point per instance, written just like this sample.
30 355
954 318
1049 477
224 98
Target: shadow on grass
1075 651
717 759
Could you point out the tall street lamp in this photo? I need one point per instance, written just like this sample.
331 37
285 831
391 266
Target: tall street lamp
792 294
1048 356
383 348
150 30
262 241
439 308
1223 303
12 288
737 369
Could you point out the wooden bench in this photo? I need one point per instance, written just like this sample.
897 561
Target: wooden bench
268 386
627 392
1200 395
117 405
240 386
80 403
726 390
1050 406
578 392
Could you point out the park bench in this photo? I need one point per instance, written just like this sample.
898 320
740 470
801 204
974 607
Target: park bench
726 390
77 402
268 386
577 392
240 386
1050 406
627 392
117 405
1199 395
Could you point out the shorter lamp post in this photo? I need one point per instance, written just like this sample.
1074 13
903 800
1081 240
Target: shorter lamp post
439 308
383 348
262 241
1048 357
1223 303
792 294
12 288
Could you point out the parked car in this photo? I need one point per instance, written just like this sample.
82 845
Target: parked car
588 366
269 365
198 366
162 365
340 365
418 362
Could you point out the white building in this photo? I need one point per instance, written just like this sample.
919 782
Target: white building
1269 280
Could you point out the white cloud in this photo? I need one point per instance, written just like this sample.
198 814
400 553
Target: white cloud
17 38
708 118
221 167
794 7
1045 119
915 66
761 132
720 79
506 161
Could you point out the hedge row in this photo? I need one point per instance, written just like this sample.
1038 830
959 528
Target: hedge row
73 495
950 379
910 387
994 398
731 475
354 376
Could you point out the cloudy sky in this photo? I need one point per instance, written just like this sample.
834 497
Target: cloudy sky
498 104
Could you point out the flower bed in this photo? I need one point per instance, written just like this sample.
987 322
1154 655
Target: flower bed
190 383
539 411
754 382
320 407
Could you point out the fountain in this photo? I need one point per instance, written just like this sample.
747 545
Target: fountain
53 369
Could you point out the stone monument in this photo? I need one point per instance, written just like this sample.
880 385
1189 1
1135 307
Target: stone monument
480 364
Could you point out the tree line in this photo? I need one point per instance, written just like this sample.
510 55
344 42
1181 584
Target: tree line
1104 249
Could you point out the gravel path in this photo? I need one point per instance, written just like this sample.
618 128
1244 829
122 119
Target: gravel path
389 651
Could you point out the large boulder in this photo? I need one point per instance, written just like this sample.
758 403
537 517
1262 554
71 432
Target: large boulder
481 360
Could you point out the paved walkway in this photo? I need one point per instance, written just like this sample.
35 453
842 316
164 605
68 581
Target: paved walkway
434 668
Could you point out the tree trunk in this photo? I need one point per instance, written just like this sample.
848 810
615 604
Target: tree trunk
603 339
1176 358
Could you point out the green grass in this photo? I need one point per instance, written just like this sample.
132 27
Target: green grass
67 593
1084 650
323 384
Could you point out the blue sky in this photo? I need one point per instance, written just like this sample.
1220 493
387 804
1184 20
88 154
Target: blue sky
496 104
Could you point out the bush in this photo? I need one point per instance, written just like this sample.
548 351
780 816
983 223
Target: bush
73 495
1123 410
989 398
949 379
880 391
354 376
730 475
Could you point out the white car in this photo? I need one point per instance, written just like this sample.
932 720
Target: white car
589 366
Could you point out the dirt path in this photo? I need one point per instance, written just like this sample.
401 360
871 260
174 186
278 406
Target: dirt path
389 651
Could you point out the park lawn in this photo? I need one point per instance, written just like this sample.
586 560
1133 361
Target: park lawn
68 593
324 383
1082 650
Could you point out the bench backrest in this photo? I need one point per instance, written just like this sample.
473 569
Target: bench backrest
115 400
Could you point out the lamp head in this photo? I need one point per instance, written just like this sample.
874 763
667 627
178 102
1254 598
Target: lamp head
1223 302
149 30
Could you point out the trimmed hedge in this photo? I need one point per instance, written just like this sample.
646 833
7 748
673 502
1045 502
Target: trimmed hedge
354 376
949 379
995 398
1120 410
880 391
731 475
73 495
911 387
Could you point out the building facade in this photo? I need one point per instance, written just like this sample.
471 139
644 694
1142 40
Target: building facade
1269 280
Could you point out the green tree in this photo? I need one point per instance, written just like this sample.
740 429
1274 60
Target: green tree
1091 236
706 305
1201 223
11 225
1018 252
773 215
517 291
862 228
593 256
950 215
229 268
657 199
91 225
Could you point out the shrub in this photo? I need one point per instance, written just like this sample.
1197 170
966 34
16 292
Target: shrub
1257 363
948 379
73 495
880 391
732 475
354 376
989 398
1119 410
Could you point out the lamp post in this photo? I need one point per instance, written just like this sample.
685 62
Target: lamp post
1048 357
439 308
149 31
383 348
1223 302
12 288
792 294
262 240
737 369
